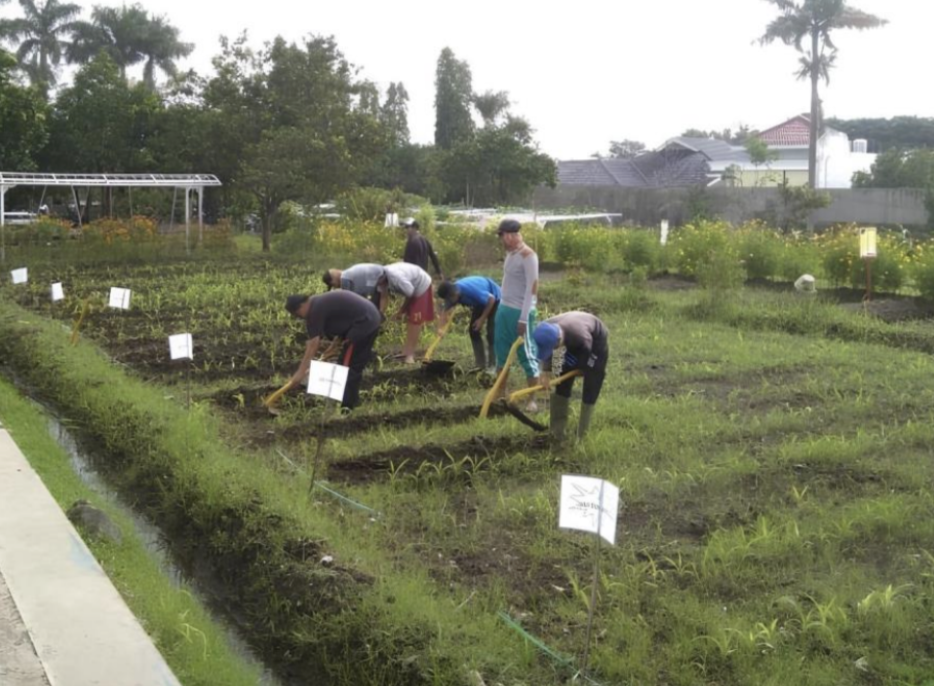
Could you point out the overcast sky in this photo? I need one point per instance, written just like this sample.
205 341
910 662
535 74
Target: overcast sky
591 71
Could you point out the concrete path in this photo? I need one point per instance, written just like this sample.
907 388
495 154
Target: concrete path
62 623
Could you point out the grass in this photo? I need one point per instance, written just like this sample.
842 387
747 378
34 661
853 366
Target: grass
773 455
194 646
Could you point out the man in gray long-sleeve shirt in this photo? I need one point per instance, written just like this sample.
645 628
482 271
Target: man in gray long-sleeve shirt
516 313
360 279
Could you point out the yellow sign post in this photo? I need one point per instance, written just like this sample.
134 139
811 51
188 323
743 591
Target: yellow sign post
867 253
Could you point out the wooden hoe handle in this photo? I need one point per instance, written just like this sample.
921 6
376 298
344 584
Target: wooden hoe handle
485 409
273 398
441 334
533 389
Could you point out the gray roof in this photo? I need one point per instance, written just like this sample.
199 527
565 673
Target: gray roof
666 168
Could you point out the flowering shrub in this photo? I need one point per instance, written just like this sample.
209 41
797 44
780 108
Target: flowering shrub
839 249
137 229
760 249
694 245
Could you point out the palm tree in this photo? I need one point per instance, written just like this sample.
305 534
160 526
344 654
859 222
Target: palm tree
161 47
119 32
40 34
812 21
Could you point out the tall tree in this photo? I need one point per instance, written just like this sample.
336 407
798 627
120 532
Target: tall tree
394 114
500 165
453 97
807 25
100 124
25 122
491 106
41 34
120 32
161 46
295 122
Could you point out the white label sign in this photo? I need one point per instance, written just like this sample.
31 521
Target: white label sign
664 232
181 347
58 293
120 298
867 242
589 504
20 275
392 219
327 380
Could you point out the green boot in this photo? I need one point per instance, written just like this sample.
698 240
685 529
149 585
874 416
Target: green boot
560 408
584 423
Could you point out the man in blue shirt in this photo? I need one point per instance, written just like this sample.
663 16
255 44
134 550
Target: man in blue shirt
482 296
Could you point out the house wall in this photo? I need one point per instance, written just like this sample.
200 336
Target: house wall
648 207
766 177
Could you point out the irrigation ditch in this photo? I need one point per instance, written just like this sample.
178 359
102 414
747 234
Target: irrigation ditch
310 618
83 463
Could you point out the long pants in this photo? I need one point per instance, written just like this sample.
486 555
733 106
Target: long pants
592 365
356 355
507 323
480 353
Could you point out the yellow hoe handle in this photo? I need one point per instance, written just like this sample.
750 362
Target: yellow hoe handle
441 334
273 398
485 409
513 397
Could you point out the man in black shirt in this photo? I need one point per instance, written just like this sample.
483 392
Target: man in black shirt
337 314
418 249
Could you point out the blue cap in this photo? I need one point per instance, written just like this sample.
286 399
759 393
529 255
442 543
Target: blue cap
546 338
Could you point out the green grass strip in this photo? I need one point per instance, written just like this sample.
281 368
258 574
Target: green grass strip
194 646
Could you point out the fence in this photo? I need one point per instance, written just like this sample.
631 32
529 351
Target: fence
647 207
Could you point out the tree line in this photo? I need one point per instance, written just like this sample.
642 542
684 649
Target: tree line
291 121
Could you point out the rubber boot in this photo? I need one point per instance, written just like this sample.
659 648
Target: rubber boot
560 408
478 353
584 423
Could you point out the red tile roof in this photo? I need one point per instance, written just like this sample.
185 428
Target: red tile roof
794 132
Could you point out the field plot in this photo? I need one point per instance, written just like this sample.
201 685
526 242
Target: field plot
773 453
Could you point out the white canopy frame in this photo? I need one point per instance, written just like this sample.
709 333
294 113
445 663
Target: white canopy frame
189 183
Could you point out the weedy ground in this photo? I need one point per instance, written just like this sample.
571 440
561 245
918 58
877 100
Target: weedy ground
773 452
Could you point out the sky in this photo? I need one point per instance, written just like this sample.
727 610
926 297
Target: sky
587 72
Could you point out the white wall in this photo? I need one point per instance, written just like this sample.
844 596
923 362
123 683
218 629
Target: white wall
836 164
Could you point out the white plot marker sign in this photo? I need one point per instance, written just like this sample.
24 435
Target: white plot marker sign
327 380
58 293
664 229
867 243
120 298
589 504
20 275
181 347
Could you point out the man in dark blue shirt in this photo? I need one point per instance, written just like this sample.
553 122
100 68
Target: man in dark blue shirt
482 296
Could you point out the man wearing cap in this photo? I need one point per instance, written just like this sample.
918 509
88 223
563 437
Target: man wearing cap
585 340
515 315
414 284
339 315
418 249
360 279
482 295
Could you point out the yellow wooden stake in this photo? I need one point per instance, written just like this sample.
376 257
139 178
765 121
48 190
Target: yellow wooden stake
77 326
